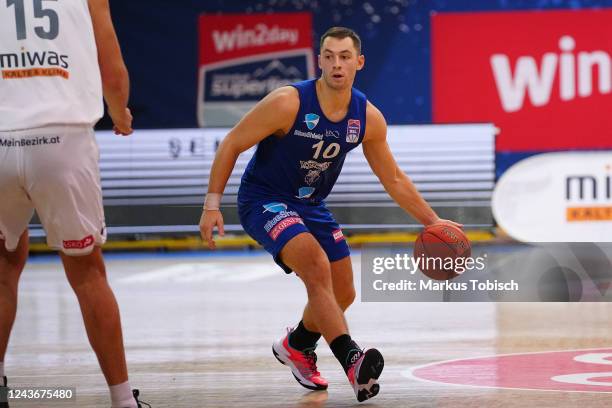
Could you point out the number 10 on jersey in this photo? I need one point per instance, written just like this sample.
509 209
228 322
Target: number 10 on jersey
330 151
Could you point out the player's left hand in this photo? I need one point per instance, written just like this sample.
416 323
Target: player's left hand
447 222
208 221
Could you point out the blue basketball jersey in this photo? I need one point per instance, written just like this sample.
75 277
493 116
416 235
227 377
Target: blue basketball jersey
305 163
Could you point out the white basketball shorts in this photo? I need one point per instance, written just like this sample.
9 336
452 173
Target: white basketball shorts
55 171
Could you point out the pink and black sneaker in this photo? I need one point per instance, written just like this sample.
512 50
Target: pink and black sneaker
363 374
303 364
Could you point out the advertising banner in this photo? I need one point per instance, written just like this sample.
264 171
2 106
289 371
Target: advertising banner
245 56
544 78
557 197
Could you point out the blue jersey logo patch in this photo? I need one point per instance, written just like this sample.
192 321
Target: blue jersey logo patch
311 120
305 192
275 207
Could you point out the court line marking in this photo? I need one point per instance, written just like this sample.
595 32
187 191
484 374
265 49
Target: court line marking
187 272
409 373
132 374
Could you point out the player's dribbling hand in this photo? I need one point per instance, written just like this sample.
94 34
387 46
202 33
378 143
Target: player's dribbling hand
122 121
210 219
447 222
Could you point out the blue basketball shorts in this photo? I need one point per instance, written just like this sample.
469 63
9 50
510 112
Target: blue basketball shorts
272 223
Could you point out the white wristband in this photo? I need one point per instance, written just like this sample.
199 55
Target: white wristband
212 201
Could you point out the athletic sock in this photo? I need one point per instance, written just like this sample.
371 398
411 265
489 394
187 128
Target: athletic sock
345 350
303 339
121 396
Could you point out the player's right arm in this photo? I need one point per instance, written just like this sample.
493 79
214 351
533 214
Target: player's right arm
273 115
115 79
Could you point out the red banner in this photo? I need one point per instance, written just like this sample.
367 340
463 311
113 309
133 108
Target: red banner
230 36
544 78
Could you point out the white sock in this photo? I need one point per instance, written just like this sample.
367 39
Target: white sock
121 396
2 369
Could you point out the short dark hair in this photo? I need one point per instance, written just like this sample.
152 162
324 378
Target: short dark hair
341 33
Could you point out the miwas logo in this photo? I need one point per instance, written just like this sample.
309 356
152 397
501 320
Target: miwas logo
594 189
34 63
568 193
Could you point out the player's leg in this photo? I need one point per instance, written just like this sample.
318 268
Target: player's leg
15 212
306 334
327 232
304 255
87 277
362 367
344 293
68 199
342 277
273 224
282 231
11 266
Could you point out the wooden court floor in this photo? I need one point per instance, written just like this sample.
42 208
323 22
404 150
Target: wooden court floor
198 331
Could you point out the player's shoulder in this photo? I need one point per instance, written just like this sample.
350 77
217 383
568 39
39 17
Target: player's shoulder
373 114
285 99
376 125
97 4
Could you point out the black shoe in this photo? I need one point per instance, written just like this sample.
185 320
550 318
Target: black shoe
4 393
363 374
136 395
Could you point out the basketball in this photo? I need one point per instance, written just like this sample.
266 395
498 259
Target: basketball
439 247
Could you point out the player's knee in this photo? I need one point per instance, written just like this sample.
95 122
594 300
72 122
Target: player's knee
12 264
9 278
89 283
316 272
84 273
12 267
346 297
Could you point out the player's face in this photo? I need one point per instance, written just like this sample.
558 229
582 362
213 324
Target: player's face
339 62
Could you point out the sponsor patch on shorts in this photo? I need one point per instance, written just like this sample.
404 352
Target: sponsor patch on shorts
79 244
283 225
338 235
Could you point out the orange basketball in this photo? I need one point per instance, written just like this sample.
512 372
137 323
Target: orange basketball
439 247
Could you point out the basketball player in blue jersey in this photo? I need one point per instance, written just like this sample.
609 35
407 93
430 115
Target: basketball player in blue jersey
304 132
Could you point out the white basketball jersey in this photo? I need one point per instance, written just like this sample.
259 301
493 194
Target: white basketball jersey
49 71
